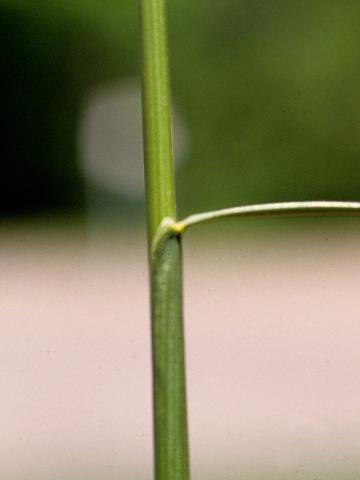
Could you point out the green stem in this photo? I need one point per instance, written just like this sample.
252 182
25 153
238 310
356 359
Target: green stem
170 425
156 115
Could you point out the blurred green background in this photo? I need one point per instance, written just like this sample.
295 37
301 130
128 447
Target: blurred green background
267 93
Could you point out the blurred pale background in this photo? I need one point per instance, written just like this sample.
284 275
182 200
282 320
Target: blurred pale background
266 103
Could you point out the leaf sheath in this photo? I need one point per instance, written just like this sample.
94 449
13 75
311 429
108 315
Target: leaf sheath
170 424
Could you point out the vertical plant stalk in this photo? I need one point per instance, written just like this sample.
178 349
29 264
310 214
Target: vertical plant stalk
169 396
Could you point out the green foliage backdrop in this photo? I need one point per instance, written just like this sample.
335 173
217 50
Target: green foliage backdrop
269 91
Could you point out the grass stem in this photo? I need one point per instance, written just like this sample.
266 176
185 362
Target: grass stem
169 396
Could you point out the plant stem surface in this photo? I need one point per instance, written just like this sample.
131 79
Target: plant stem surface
169 395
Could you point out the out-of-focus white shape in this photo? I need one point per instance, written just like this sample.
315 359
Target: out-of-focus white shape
110 139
